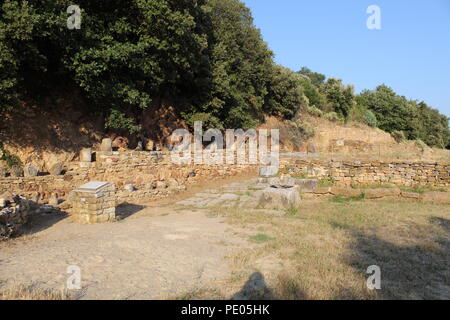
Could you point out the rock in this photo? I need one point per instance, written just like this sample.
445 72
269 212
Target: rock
287 182
311 148
2 203
56 169
3 172
16 171
86 155
161 185
382 193
65 205
106 145
172 183
120 143
149 145
30 171
8 196
278 198
53 201
307 185
269 171
139 146
129 187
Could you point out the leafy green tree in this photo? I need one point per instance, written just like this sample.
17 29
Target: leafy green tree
285 95
339 96
316 78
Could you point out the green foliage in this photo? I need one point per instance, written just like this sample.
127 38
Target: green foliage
341 97
118 120
209 121
316 78
11 159
332 116
420 144
312 110
285 95
399 136
370 119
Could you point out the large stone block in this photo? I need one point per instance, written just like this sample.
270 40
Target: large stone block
278 198
307 185
86 155
30 171
106 145
268 171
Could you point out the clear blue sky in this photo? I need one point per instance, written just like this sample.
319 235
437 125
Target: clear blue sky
411 53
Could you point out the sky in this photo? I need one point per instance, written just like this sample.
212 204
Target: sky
411 52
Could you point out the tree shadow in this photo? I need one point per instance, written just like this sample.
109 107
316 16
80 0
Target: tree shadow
417 271
125 210
256 288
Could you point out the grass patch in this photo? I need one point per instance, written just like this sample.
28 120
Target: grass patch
260 238
292 211
32 292
324 254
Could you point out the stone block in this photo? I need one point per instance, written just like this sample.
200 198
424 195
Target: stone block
86 155
278 198
268 171
30 171
307 185
106 145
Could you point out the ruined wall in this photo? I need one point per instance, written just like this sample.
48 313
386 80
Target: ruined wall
151 174
402 173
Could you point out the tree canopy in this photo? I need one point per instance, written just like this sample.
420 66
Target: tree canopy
205 56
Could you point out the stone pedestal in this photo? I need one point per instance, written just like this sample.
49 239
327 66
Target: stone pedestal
94 202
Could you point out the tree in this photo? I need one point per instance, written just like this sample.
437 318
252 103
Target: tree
341 97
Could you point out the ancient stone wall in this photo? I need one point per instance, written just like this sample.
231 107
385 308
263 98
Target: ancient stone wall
370 173
137 175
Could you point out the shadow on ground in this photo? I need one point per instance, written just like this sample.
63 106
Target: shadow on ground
415 272
125 210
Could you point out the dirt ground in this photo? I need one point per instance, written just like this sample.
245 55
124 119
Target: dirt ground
165 250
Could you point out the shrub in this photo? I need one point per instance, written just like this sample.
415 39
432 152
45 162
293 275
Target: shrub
332 116
399 136
209 121
370 119
314 111
10 159
420 144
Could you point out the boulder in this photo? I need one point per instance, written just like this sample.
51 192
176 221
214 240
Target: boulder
161 185
3 172
86 155
53 201
30 171
278 198
129 187
149 144
16 171
311 148
56 169
172 183
106 145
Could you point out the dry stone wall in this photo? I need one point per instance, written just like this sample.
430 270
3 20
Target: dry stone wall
142 175
371 173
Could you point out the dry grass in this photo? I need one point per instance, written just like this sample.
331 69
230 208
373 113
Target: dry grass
323 250
32 292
